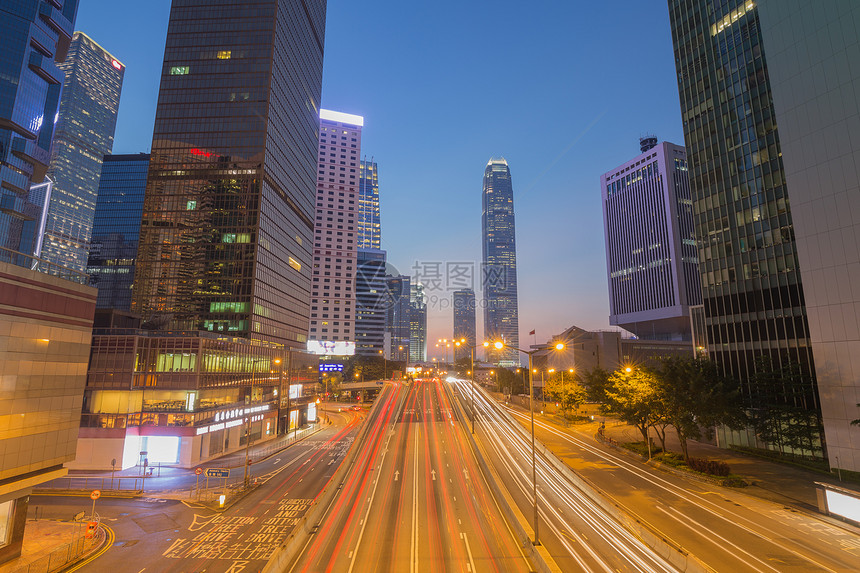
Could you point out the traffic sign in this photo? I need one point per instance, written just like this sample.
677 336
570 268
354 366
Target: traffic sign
217 472
95 494
198 471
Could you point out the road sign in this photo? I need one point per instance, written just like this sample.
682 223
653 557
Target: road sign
198 471
95 494
217 472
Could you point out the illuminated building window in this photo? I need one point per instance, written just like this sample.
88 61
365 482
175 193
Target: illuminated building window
225 54
295 264
179 70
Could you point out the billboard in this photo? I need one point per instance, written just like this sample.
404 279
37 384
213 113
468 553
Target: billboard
331 347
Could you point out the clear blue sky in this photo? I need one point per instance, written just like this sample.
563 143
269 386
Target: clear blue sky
561 89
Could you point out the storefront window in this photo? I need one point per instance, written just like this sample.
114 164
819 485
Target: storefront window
6 521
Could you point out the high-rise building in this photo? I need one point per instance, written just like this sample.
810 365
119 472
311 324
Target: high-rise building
650 243
335 256
36 37
501 314
753 299
228 219
417 323
371 303
813 56
369 228
223 271
464 322
116 229
84 135
399 313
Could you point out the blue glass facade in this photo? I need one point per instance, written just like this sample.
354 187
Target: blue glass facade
35 38
116 229
85 128
370 303
369 228
464 322
501 314
398 291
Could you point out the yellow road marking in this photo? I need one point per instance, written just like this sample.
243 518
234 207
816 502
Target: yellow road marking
110 539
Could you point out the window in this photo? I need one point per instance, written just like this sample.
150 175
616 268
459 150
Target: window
225 54
179 70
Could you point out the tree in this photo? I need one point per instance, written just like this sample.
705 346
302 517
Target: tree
566 390
694 397
510 382
632 396
596 382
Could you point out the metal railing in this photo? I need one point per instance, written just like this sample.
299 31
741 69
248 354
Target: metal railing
43 266
89 483
62 555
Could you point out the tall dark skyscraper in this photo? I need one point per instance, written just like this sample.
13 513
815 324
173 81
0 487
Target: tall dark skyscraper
417 323
116 228
501 315
752 293
85 129
399 312
36 37
228 218
369 227
464 322
371 303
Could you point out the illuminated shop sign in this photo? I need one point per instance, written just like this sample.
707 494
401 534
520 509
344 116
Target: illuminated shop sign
331 367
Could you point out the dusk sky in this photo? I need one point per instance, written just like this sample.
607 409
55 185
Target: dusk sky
561 89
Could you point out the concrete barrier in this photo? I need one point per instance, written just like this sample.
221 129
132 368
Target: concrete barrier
672 552
301 534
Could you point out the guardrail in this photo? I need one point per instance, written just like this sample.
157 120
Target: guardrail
104 483
60 557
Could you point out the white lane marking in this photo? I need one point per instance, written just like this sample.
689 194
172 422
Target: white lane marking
468 551
413 563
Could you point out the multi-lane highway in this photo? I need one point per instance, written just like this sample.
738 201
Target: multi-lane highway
577 532
726 529
414 499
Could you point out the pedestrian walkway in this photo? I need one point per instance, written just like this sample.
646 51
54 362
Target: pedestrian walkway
781 483
48 545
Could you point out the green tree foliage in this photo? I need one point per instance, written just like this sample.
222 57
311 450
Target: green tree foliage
564 388
510 382
783 408
693 397
596 382
633 397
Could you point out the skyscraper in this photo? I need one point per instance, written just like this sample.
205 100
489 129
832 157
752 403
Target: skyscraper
417 323
369 228
116 229
85 128
501 315
399 312
813 56
371 303
36 37
464 322
223 271
650 244
752 293
335 257
228 217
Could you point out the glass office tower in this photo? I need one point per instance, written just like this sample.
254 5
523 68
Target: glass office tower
85 129
36 37
501 314
464 322
369 228
228 217
116 229
752 294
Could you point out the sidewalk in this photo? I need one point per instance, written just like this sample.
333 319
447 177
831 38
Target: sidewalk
171 478
777 482
50 544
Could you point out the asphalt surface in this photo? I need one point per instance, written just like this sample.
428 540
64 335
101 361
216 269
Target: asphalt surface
725 528
576 532
155 535
415 499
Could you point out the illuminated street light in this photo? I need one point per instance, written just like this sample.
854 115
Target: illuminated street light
558 346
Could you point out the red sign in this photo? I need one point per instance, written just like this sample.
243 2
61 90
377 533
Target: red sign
95 494
116 64
198 471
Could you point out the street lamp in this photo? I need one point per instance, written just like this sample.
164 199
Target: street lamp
462 342
498 345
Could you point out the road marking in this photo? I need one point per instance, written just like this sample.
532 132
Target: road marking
433 473
276 461
397 475
413 563
468 551
107 545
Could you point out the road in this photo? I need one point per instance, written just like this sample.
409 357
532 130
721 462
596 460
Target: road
577 532
170 536
725 528
415 499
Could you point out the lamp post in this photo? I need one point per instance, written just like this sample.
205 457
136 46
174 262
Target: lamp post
462 342
499 345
